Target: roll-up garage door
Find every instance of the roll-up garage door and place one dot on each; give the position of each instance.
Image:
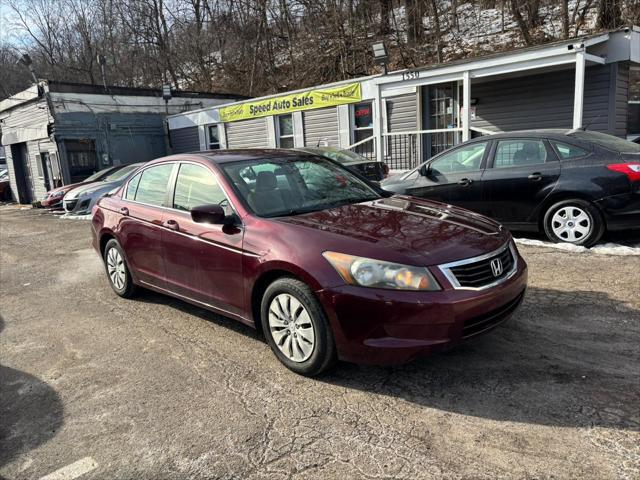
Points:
(247, 134)
(321, 125)
(184, 140)
(402, 151)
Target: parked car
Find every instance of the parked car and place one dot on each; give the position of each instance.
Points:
(81, 200)
(53, 198)
(371, 169)
(5, 186)
(571, 185)
(326, 264)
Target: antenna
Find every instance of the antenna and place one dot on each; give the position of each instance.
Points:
(584, 128)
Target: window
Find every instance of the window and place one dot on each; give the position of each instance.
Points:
(569, 151)
(152, 185)
(285, 131)
(363, 128)
(463, 159)
(214, 137)
(289, 186)
(132, 186)
(196, 186)
(516, 153)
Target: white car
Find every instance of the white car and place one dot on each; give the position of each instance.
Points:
(81, 200)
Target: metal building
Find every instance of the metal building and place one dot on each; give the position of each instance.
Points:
(405, 117)
(56, 133)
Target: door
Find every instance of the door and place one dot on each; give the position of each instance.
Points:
(454, 177)
(22, 172)
(45, 164)
(81, 158)
(203, 261)
(141, 223)
(520, 175)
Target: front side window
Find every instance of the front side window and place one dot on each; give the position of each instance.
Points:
(285, 131)
(196, 186)
(567, 151)
(517, 153)
(152, 185)
(463, 159)
(120, 173)
(214, 137)
(276, 187)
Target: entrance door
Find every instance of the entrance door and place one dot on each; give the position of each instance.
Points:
(45, 168)
(81, 158)
(22, 172)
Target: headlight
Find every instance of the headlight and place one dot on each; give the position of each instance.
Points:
(367, 272)
(58, 194)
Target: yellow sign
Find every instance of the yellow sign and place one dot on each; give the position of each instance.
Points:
(326, 97)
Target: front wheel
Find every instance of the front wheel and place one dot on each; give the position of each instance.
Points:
(117, 270)
(574, 221)
(296, 327)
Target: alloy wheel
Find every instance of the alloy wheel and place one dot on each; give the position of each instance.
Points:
(116, 268)
(291, 327)
(571, 224)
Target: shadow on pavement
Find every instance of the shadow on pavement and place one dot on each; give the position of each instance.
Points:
(31, 412)
(564, 359)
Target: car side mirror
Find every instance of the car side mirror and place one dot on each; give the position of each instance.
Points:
(208, 214)
(425, 170)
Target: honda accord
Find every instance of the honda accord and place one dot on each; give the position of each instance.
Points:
(324, 263)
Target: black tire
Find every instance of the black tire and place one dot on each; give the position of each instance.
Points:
(128, 288)
(323, 355)
(594, 222)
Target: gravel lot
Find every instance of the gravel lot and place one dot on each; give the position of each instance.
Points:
(156, 388)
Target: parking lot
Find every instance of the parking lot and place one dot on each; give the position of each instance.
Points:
(155, 388)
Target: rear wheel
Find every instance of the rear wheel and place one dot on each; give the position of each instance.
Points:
(296, 327)
(574, 221)
(117, 270)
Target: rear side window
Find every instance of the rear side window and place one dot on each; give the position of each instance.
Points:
(516, 153)
(152, 186)
(567, 151)
(196, 186)
(132, 186)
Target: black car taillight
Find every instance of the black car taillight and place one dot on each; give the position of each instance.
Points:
(630, 169)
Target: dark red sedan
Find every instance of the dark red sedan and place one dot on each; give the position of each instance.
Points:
(324, 263)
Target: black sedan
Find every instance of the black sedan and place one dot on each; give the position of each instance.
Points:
(571, 185)
(371, 169)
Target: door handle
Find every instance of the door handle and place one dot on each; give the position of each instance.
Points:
(172, 224)
(465, 182)
(124, 211)
(535, 177)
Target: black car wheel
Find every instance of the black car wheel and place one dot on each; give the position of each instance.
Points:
(117, 270)
(296, 327)
(574, 221)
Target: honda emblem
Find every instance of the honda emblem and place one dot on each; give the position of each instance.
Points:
(496, 267)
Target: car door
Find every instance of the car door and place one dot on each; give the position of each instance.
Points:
(140, 228)
(520, 175)
(454, 177)
(203, 262)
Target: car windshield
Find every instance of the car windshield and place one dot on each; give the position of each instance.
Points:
(607, 141)
(342, 156)
(120, 174)
(288, 186)
(98, 175)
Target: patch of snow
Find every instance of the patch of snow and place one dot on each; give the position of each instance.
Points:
(67, 216)
(602, 248)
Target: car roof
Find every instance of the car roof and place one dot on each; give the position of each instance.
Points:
(236, 155)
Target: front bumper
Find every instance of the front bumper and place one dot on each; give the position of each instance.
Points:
(374, 326)
(78, 206)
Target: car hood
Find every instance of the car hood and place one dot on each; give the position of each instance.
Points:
(417, 230)
(66, 188)
(90, 188)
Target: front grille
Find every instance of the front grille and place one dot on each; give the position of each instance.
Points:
(478, 325)
(69, 205)
(481, 273)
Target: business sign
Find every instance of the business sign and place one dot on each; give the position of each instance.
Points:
(295, 102)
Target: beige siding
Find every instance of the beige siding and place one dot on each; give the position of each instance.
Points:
(321, 125)
(247, 134)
